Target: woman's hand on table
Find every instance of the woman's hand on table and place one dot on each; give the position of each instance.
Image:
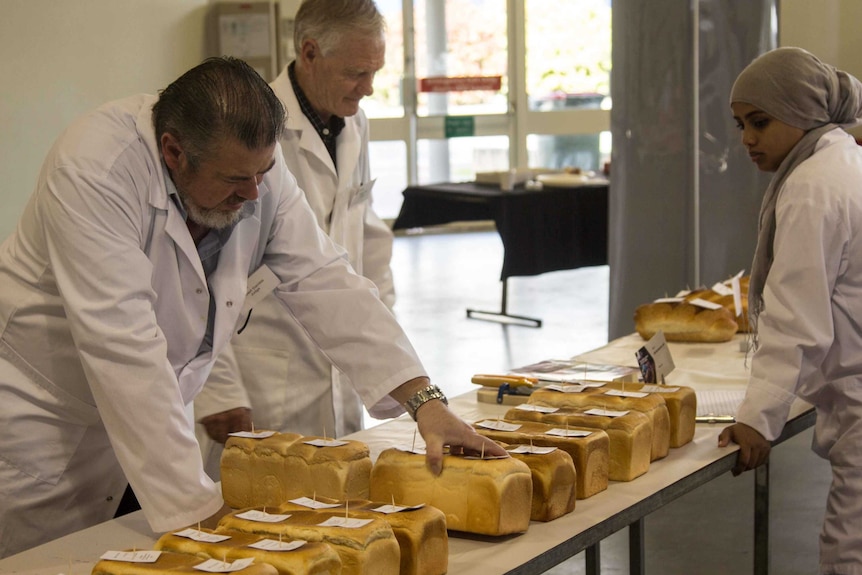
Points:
(753, 447)
(440, 427)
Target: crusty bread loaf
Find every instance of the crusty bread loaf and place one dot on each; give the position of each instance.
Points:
(681, 407)
(554, 481)
(653, 405)
(272, 470)
(171, 564)
(726, 301)
(421, 533)
(629, 436)
(368, 550)
(590, 454)
(313, 558)
(684, 322)
(484, 496)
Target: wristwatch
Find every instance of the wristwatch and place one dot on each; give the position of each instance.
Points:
(422, 397)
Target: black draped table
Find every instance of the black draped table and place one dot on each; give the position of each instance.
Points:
(555, 228)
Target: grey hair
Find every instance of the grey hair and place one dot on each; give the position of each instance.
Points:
(328, 21)
(217, 100)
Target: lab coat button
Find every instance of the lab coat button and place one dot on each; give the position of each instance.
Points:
(199, 291)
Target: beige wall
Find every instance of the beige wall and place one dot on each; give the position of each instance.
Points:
(60, 58)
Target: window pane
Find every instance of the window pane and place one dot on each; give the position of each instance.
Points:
(456, 38)
(389, 165)
(584, 151)
(458, 159)
(386, 102)
(568, 58)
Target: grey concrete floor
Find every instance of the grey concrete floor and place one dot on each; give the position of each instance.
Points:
(708, 531)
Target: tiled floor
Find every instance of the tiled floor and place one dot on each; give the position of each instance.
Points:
(707, 532)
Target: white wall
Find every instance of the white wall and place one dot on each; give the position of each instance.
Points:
(60, 58)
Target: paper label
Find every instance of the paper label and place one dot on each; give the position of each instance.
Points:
(538, 408)
(568, 388)
(669, 300)
(498, 425)
(262, 516)
(605, 412)
(312, 504)
(533, 450)
(346, 522)
(216, 566)
(196, 535)
(654, 359)
(273, 545)
(569, 432)
(325, 442)
(721, 289)
(705, 304)
(148, 556)
(252, 434)
(737, 295)
(682, 293)
(418, 449)
(659, 389)
(259, 285)
(621, 393)
(389, 509)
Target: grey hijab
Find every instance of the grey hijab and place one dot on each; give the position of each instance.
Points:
(796, 88)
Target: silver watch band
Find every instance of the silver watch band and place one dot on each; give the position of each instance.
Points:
(422, 397)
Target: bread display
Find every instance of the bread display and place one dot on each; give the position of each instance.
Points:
(681, 407)
(269, 471)
(554, 480)
(421, 533)
(629, 436)
(311, 558)
(366, 546)
(171, 564)
(682, 321)
(653, 405)
(726, 300)
(484, 496)
(590, 454)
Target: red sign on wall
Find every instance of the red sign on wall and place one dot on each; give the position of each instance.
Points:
(460, 83)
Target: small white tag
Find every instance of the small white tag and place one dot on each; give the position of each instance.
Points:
(132, 556)
(659, 389)
(721, 289)
(325, 442)
(389, 509)
(259, 285)
(273, 545)
(737, 295)
(682, 293)
(621, 393)
(346, 522)
(196, 535)
(262, 516)
(418, 449)
(669, 300)
(216, 566)
(498, 425)
(252, 434)
(605, 412)
(568, 388)
(705, 304)
(538, 408)
(312, 504)
(533, 449)
(569, 432)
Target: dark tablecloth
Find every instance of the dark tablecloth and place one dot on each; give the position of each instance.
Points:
(542, 230)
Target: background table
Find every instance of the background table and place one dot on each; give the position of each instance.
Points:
(542, 230)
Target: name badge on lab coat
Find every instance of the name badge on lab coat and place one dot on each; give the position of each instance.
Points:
(260, 284)
(362, 194)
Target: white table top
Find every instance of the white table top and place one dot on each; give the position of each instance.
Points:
(701, 366)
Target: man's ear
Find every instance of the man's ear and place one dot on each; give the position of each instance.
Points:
(172, 151)
(309, 51)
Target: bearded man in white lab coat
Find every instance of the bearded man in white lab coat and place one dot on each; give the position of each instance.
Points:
(339, 45)
(125, 278)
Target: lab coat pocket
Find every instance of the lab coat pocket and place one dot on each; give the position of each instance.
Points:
(264, 373)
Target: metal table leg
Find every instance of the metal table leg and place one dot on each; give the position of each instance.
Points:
(593, 563)
(761, 520)
(636, 548)
(502, 316)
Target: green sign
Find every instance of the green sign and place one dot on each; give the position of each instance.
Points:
(460, 126)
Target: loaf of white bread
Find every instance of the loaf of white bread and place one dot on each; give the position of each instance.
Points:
(726, 300)
(312, 558)
(421, 533)
(369, 549)
(629, 436)
(590, 454)
(681, 404)
(685, 322)
(272, 470)
(554, 480)
(171, 564)
(484, 496)
(653, 405)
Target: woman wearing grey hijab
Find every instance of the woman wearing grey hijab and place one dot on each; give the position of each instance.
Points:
(805, 295)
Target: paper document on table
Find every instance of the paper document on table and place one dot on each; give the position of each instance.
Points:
(718, 405)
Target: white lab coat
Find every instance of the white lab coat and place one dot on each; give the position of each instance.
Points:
(810, 332)
(289, 384)
(103, 310)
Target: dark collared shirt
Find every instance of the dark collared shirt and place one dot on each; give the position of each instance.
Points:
(327, 132)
